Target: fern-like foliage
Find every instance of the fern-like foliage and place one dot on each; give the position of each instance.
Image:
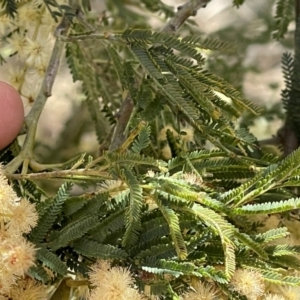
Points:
(287, 69)
(50, 214)
(10, 7)
(133, 213)
(93, 85)
(142, 141)
(51, 261)
(175, 201)
(284, 15)
(56, 10)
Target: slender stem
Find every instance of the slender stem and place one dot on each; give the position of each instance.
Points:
(185, 11)
(95, 36)
(31, 120)
(123, 117)
(82, 174)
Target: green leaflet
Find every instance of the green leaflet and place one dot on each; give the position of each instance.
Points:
(171, 267)
(224, 229)
(93, 86)
(284, 15)
(32, 191)
(130, 159)
(280, 279)
(175, 231)
(93, 249)
(280, 250)
(118, 64)
(268, 208)
(193, 157)
(74, 204)
(73, 231)
(133, 212)
(288, 73)
(249, 242)
(10, 7)
(49, 216)
(38, 272)
(271, 235)
(51, 260)
(142, 141)
(108, 225)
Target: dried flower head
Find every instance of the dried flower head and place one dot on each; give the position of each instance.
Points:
(249, 283)
(112, 283)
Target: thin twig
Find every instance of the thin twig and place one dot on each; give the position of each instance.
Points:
(81, 174)
(94, 36)
(31, 120)
(185, 11)
(189, 9)
(123, 117)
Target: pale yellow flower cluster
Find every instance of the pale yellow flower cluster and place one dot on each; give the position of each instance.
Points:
(202, 291)
(26, 43)
(249, 283)
(17, 217)
(112, 283)
(26, 289)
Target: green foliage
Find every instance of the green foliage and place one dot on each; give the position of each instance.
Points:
(174, 201)
(143, 140)
(57, 10)
(10, 7)
(238, 2)
(50, 260)
(284, 16)
(48, 216)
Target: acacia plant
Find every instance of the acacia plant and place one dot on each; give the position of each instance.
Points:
(167, 205)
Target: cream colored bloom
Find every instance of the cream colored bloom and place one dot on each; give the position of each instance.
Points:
(28, 289)
(7, 279)
(17, 255)
(6, 25)
(112, 283)
(203, 291)
(7, 197)
(36, 53)
(6, 192)
(16, 75)
(24, 217)
(30, 13)
(17, 42)
(290, 292)
(249, 283)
